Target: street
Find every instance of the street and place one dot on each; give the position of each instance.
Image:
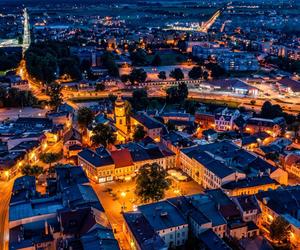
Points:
(5, 193)
(115, 195)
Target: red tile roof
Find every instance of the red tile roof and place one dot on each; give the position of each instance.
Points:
(122, 158)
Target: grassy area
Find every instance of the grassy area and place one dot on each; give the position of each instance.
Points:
(168, 59)
(230, 104)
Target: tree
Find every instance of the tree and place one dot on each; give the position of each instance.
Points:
(151, 183)
(137, 76)
(100, 87)
(195, 73)
(266, 109)
(103, 135)
(156, 61)
(182, 91)
(205, 75)
(177, 94)
(271, 111)
(216, 69)
(112, 97)
(182, 45)
(172, 94)
(171, 126)
(124, 78)
(50, 158)
(139, 133)
(109, 62)
(138, 57)
(162, 75)
(177, 74)
(85, 117)
(140, 99)
(70, 66)
(279, 229)
(54, 92)
(33, 170)
(128, 112)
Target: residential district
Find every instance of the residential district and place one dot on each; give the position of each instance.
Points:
(149, 125)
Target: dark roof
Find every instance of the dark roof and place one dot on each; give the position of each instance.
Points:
(247, 202)
(178, 140)
(78, 221)
(24, 188)
(143, 232)
(79, 195)
(26, 146)
(99, 238)
(209, 132)
(219, 169)
(284, 200)
(69, 175)
(249, 182)
(71, 135)
(33, 122)
(292, 84)
(98, 159)
(162, 215)
(147, 121)
(211, 241)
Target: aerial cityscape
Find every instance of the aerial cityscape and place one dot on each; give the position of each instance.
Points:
(149, 124)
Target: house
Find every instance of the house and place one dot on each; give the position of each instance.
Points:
(140, 233)
(69, 216)
(249, 185)
(209, 240)
(123, 162)
(72, 143)
(248, 207)
(273, 127)
(167, 222)
(288, 85)
(210, 135)
(224, 120)
(292, 164)
(61, 117)
(282, 202)
(10, 163)
(153, 127)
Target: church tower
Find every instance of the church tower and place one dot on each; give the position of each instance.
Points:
(120, 115)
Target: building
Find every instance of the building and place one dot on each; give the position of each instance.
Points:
(217, 163)
(282, 202)
(153, 127)
(71, 215)
(72, 143)
(167, 222)
(290, 86)
(234, 86)
(292, 164)
(102, 165)
(249, 185)
(140, 234)
(224, 120)
(273, 127)
(238, 61)
(120, 118)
